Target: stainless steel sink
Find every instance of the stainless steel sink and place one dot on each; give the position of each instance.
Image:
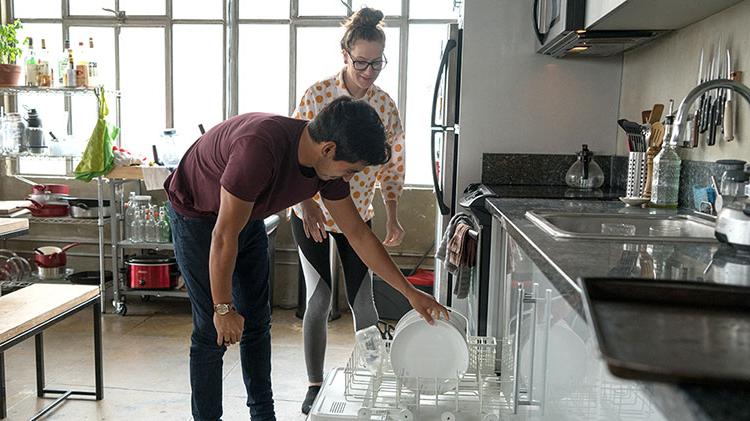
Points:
(637, 227)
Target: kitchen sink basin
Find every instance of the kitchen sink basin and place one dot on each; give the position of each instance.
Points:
(637, 227)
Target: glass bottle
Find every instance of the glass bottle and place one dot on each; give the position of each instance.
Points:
(44, 73)
(93, 64)
(137, 227)
(151, 233)
(665, 186)
(62, 65)
(585, 173)
(130, 208)
(30, 64)
(165, 232)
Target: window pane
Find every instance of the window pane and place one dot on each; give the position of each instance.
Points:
(91, 7)
(49, 107)
(432, 9)
(141, 7)
(84, 108)
(104, 51)
(425, 47)
(388, 78)
(318, 56)
(205, 9)
(36, 8)
(263, 9)
(264, 69)
(198, 92)
(321, 8)
(142, 85)
(388, 7)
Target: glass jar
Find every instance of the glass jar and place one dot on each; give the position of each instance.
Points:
(13, 131)
(169, 151)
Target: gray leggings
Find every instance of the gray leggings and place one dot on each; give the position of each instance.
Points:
(315, 259)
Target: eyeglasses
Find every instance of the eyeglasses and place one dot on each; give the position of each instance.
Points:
(361, 65)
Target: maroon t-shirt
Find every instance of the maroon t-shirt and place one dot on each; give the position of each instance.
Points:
(254, 157)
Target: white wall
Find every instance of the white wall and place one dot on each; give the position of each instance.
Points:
(668, 68)
(516, 101)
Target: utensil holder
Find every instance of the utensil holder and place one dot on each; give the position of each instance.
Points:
(650, 155)
(636, 174)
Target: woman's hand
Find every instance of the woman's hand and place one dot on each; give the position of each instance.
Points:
(228, 328)
(426, 305)
(313, 221)
(394, 233)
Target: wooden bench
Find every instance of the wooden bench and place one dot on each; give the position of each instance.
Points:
(28, 312)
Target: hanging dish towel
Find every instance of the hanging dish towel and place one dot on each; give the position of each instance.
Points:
(458, 252)
(98, 158)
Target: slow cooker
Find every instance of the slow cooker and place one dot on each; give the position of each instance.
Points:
(152, 271)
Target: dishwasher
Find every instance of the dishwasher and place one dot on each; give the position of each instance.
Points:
(356, 393)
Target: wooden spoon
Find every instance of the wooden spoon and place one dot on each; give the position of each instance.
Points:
(656, 113)
(657, 135)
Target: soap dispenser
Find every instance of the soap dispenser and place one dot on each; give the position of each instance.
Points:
(585, 173)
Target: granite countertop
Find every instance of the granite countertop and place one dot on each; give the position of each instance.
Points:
(563, 261)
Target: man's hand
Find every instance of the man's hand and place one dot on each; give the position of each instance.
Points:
(394, 233)
(426, 305)
(313, 221)
(228, 328)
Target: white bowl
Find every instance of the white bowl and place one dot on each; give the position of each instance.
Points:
(422, 353)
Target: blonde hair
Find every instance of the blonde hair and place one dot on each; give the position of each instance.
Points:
(366, 24)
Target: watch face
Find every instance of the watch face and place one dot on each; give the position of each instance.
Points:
(222, 308)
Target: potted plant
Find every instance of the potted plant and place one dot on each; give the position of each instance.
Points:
(10, 72)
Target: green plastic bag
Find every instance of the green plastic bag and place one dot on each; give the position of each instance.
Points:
(98, 158)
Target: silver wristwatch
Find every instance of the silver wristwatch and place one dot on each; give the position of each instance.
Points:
(222, 309)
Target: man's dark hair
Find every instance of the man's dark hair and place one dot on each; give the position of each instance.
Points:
(355, 128)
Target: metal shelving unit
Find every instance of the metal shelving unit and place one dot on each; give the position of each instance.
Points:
(119, 246)
(13, 163)
(65, 220)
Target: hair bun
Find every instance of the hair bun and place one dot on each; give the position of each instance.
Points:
(366, 16)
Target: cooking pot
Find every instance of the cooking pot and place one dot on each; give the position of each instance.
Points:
(51, 256)
(51, 209)
(86, 208)
(44, 273)
(152, 271)
(51, 188)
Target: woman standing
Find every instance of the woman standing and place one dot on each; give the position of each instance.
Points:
(362, 49)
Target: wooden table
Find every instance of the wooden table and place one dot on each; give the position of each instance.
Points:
(28, 312)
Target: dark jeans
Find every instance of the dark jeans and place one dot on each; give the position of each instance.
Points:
(192, 240)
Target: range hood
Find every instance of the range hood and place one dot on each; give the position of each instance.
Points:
(567, 28)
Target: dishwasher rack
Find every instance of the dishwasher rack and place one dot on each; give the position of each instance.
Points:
(384, 395)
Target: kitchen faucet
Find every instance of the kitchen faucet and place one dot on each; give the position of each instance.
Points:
(682, 111)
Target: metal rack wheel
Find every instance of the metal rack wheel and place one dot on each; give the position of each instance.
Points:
(121, 308)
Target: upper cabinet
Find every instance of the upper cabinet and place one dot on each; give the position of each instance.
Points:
(658, 15)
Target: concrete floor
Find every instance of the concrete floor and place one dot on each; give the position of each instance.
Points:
(146, 366)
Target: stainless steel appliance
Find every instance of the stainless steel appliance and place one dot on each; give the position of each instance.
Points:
(733, 225)
(560, 28)
(444, 147)
(484, 305)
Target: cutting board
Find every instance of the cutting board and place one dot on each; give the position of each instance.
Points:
(9, 225)
(10, 206)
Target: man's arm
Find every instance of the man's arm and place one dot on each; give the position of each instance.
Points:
(373, 254)
(233, 216)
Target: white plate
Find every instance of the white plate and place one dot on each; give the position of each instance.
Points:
(634, 201)
(422, 351)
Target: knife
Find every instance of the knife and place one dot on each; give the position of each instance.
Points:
(697, 120)
(728, 122)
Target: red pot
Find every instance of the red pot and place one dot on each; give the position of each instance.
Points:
(51, 256)
(51, 188)
(152, 271)
(48, 210)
